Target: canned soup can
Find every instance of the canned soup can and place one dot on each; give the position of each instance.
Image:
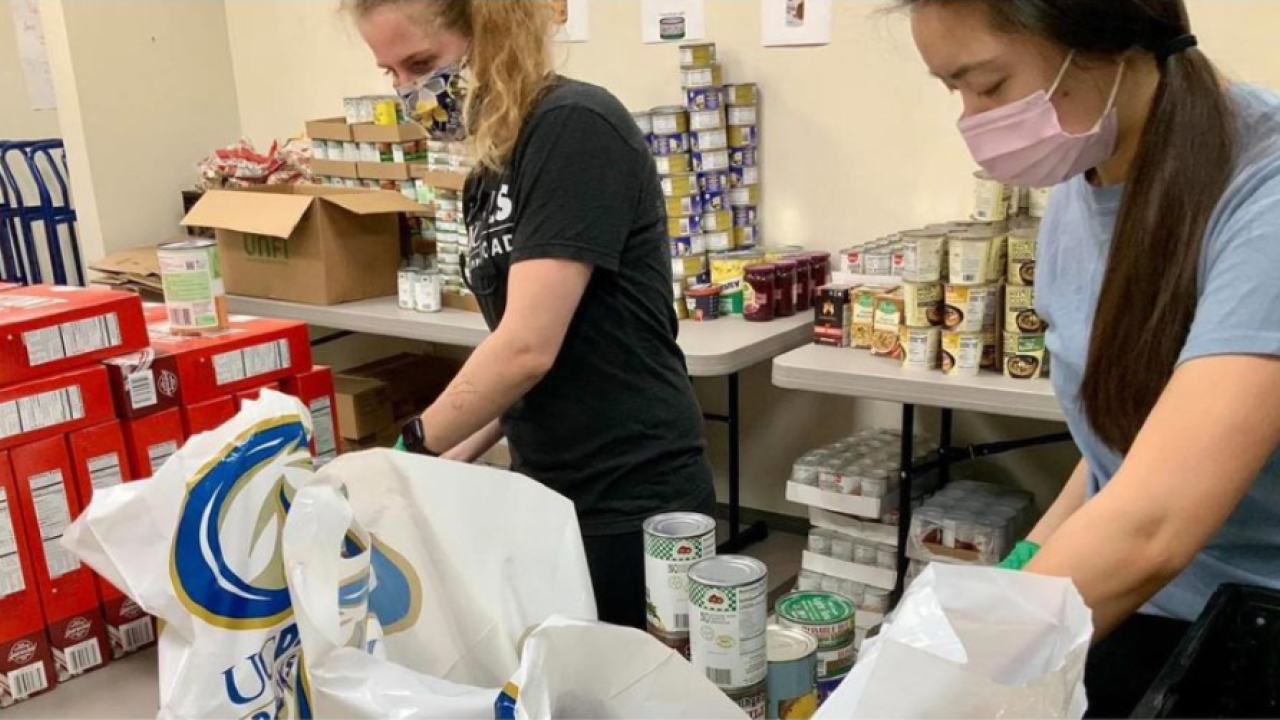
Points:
(793, 678)
(682, 185)
(706, 120)
(745, 94)
(697, 55)
(669, 120)
(673, 543)
(728, 599)
(674, 164)
(706, 140)
(704, 98)
(195, 298)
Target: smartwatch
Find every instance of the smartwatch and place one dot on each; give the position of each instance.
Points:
(415, 438)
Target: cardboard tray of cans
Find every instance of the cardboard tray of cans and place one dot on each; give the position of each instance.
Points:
(856, 505)
(865, 574)
(876, 532)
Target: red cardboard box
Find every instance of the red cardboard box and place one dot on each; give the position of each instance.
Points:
(26, 660)
(45, 483)
(45, 330)
(152, 440)
(100, 459)
(315, 389)
(52, 406)
(209, 415)
(143, 383)
(251, 353)
(254, 394)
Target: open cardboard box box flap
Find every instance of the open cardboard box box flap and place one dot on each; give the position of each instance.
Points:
(277, 210)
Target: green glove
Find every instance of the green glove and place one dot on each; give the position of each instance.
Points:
(399, 444)
(1021, 555)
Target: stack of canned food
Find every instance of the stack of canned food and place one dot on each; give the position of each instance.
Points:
(376, 109)
(420, 286)
(864, 465)
(451, 239)
(444, 156)
(956, 286)
(971, 523)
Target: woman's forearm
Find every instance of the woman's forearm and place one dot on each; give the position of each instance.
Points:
(1068, 502)
(469, 450)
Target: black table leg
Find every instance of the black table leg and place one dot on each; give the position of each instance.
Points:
(739, 538)
(905, 474)
(944, 445)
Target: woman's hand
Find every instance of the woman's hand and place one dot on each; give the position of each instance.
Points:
(1199, 452)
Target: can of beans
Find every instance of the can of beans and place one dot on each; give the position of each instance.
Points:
(728, 598)
(746, 236)
(792, 675)
(746, 195)
(673, 543)
(687, 245)
(644, 121)
(719, 241)
(752, 701)
(744, 215)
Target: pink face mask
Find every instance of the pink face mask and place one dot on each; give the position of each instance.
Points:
(1023, 143)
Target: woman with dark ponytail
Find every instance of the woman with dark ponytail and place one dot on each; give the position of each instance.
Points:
(1159, 276)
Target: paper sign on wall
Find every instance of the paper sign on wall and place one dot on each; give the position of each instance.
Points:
(795, 22)
(573, 21)
(33, 55)
(672, 21)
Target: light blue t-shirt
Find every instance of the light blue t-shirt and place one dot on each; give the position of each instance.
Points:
(1238, 314)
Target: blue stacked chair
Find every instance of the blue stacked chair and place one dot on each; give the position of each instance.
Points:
(37, 229)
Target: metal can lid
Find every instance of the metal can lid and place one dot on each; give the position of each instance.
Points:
(815, 608)
(679, 525)
(728, 570)
(789, 644)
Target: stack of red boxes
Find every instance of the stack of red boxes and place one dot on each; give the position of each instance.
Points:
(95, 391)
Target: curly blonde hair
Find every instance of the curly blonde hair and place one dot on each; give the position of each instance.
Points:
(509, 62)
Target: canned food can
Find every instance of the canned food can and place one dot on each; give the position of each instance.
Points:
(715, 201)
(680, 185)
(707, 120)
(746, 195)
(195, 298)
(719, 241)
(688, 266)
(677, 164)
(644, 121)
(744, 94)
(707, 140)
(969, 257)
(351, 151)
(697, 55)
(792, 675)
(686, 245)
(427, 292)
(743, 136)
(387, 112)
(998, 257)
(670, 120)
(827, 687)
(720, 221)
(923, 252)
(701, 77)
(743, 158)
(836, 661)
(990, 198)
(878, 260)
(703, 303)
(404, 288)
(876, 600)
(702, 278)
(684, 206)
(961, 353)
(677, 144)
(742, 115)
(1039, 201)
(744, 177)
(704, 98)
(1025, 357)
(350, 111)
(746, 236)
(825, 616)
(711, 161)
(1020, 310)
(728, 598)
(968, 306)
(684, 225)
(745, 215)
(752, 701)
(922, 304)
(673, 543)
(1022, 256)
(758, 292)
(713, 181)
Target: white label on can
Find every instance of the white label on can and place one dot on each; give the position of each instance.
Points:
(160, 453)
(53, 515)
(686, 56)
(742, 115)
(323, 431)
(666, 569)
(990, 200)
(666, 124)
(11, 580)
(748, 176)
(719, 241)
(72, 339)
(250, 362)
(922, 349)
(727, 633)
(1039, 201)
(711, 140)
(404, 290)
(922, 260)
(714, 160)
(968, 262)
(701, 77)
(105, 471)
(706, 120)
(427, 293)
(39, 411)
(742, 196)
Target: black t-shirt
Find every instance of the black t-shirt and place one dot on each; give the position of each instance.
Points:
(614, 426)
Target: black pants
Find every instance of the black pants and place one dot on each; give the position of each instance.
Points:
(617, 572)
(1122, 668)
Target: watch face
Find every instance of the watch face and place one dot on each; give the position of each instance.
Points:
(413, 436)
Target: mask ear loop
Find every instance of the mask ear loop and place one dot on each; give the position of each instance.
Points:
(1062, 74)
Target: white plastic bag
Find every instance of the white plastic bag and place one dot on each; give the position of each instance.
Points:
(492, 554)
(574, 669)
(198, 546)
(972, 642)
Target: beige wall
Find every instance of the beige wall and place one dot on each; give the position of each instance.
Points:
(18, 121)
(857, 142)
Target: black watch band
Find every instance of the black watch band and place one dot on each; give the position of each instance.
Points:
(415, 438)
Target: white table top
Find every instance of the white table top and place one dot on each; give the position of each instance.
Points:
(713, 349)
(856, 373)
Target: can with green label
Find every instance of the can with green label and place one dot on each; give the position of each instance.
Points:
(829, 619)
(194, 296)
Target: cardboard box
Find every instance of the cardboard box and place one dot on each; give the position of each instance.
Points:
(363, 405)
(52, 406)
(413, 381)
(319, 245)
(152, 440)
(46, 481)
(26, 660)
(334, 168)
(45, 330)
(208, 415)
(250, 353)
(329, 129)
(404, 132)
(316, 390)
(438, 178)
(143, 383)
(386, 171)
(100, 459)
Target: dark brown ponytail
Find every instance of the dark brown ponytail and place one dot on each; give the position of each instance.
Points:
(1182, 168)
